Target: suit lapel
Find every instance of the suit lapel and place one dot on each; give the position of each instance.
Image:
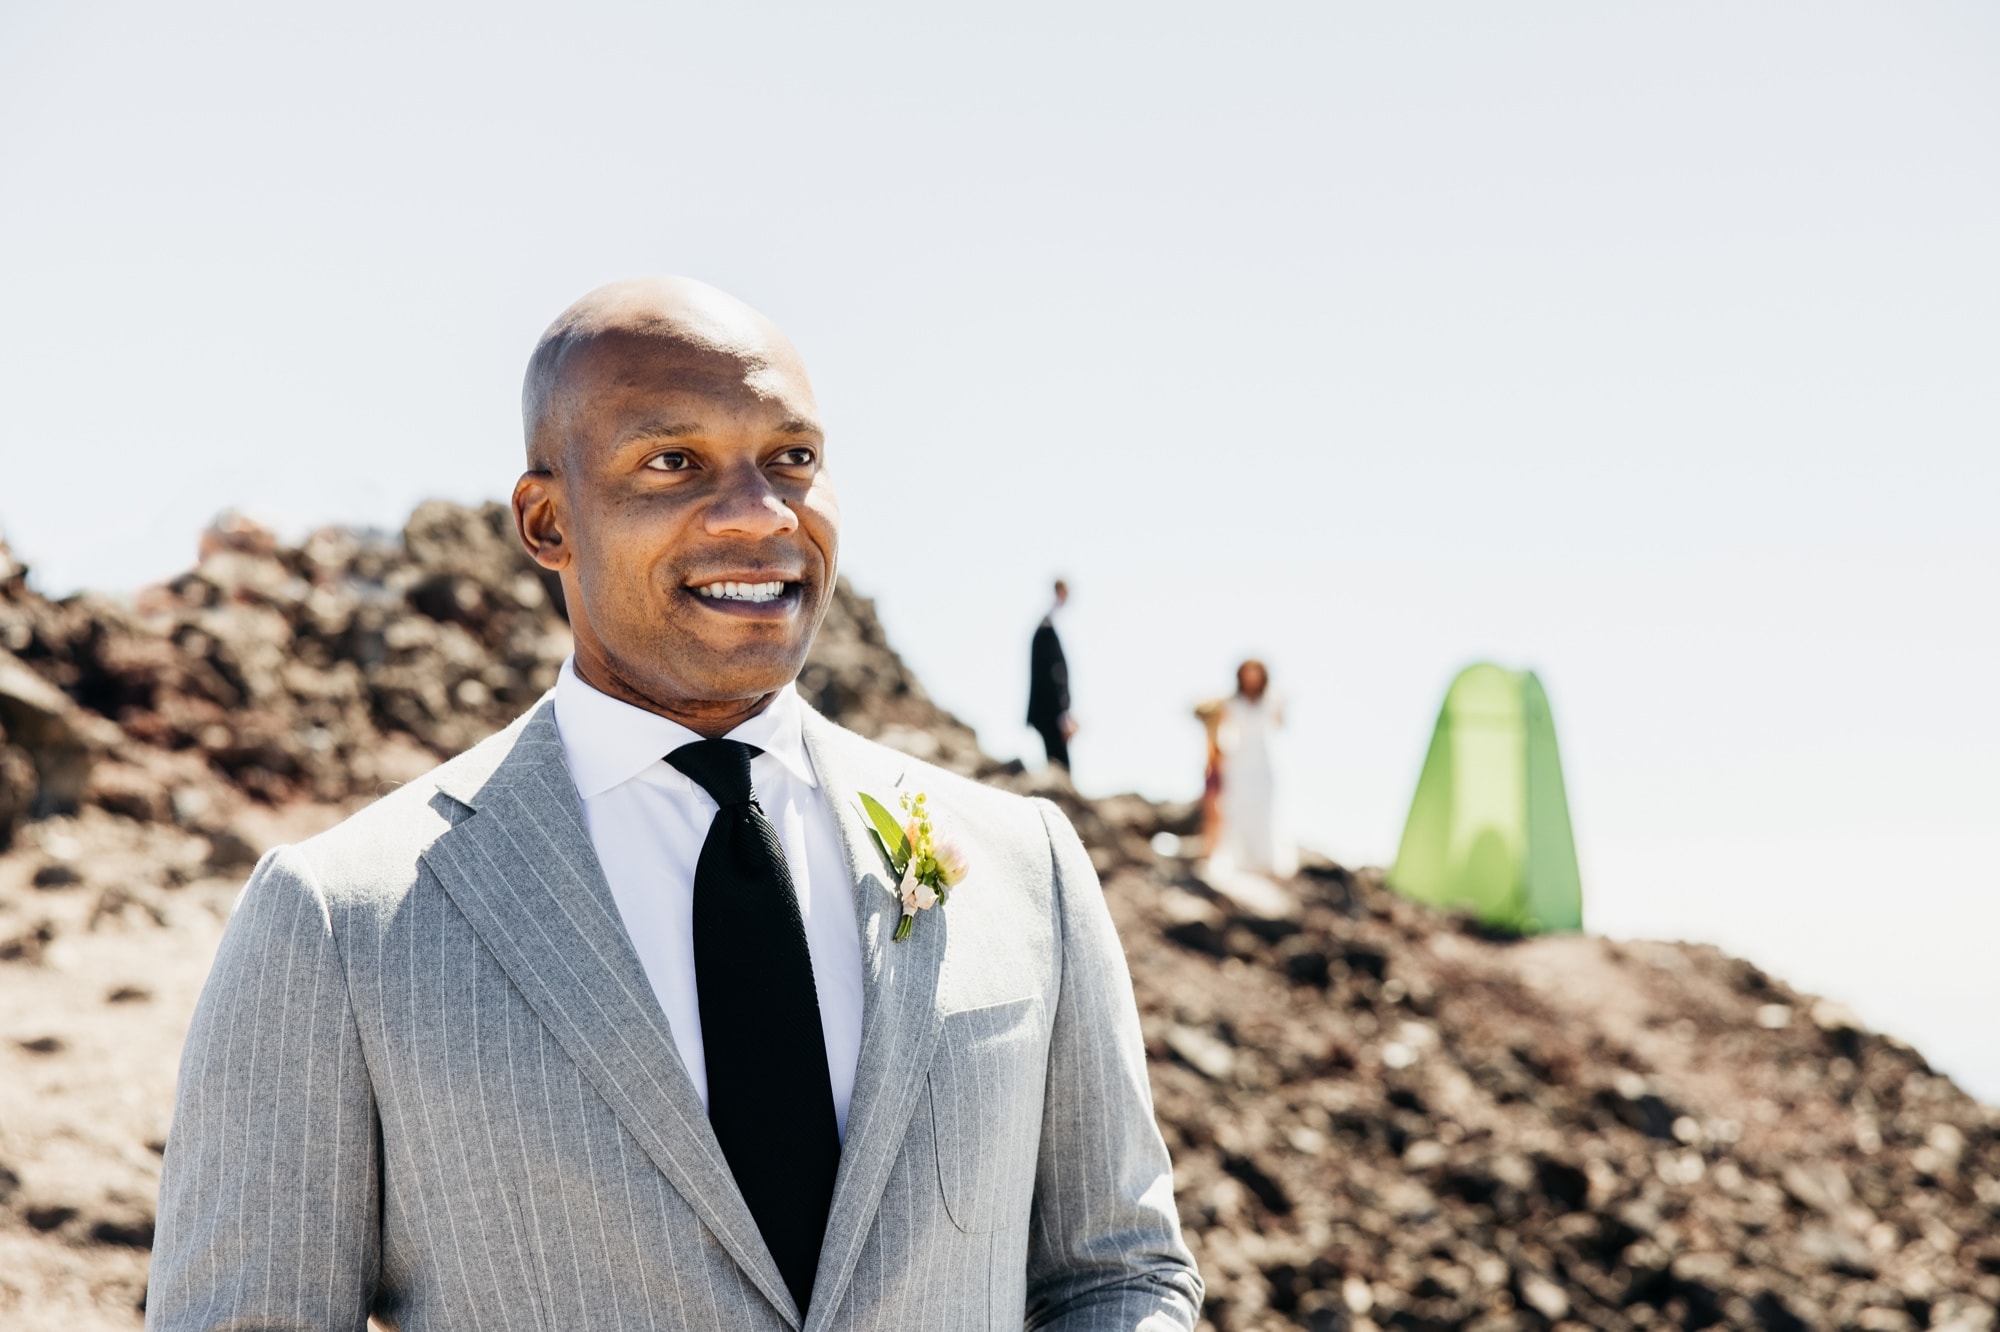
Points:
(899, 1023)
(522, 871)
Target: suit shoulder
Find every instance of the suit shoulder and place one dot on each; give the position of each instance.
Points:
(374, 852)
(378, 846)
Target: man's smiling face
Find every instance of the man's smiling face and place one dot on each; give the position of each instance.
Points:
(678, 484)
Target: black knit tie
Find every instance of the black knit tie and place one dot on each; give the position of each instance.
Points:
(769, 1097)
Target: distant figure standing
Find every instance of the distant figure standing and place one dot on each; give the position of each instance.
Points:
(1252, 836)
(1210, 715)
(1048, 685)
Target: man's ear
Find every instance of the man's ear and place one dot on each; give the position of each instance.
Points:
(538, 519)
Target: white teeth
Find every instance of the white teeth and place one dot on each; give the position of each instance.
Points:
(742, 591)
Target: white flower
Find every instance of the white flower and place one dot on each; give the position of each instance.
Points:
(916, 894)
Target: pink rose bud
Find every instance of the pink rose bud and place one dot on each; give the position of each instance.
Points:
(952, 863)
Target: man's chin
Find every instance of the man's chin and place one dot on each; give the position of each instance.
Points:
(743, 673)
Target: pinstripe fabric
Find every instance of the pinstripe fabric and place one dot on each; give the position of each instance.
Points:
(428, 1077)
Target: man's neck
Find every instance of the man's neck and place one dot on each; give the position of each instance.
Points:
(709, 718)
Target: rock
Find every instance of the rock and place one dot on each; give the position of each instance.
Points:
(294, 672)
(229, 851)
(58, 738)
(1379, 1117)
(1544, 1296)
(1774, 1315)
(131, 1232)
(1461, 1101)
(1260, 1182)
(19, 785)
(29, 944)
(56, 875)
(1820, 1186)
(1204, 1053)
(1253, 894)
(49, 1216)
(130, 791)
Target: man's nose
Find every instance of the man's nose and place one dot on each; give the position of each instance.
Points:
(747, 506)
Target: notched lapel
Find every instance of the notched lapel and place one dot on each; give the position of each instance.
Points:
(522, 870)
(900, 1021)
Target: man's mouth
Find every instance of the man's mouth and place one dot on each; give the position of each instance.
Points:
(755, 594)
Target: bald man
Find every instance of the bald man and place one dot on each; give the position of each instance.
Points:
(625, 1018)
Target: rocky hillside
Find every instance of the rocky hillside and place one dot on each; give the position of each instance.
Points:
(1380, 1117)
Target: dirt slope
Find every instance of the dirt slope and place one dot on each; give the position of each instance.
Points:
(1379, 1118)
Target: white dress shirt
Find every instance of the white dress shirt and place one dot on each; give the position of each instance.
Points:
(647, 822)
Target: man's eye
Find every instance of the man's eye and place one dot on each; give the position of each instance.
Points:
(798, 457)
(671, 461)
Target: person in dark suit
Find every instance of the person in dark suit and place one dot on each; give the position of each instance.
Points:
(1048, 685)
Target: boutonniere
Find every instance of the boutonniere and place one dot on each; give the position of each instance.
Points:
(927, 868)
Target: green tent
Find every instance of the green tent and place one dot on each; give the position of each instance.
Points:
(1489, 826)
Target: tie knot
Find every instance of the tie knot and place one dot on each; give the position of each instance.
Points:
(719, 767)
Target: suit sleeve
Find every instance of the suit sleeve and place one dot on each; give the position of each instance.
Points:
(269, 1193)
(1104, 1249)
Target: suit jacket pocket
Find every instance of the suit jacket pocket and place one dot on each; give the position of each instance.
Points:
(986, 1084)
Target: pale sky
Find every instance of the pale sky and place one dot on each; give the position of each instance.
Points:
(1651, 346)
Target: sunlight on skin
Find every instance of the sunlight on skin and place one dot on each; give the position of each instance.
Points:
(677, 483)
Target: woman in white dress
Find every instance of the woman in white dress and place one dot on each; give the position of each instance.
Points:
(1253, 837)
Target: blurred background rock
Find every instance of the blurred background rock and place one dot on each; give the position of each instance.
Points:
(1381, 1116)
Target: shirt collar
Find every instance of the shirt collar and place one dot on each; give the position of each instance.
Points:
(608, 741)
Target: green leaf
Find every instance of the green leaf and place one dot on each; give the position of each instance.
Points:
(888, 831)
(887, 854)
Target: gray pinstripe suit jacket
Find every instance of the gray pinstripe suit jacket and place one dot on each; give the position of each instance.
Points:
(428, 1079)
